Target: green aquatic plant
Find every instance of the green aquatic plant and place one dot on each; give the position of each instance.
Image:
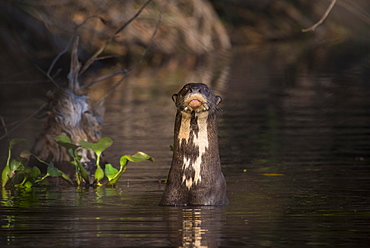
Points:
(98, 147)
(18, 174)
(11, 165)
(112, 174)
(81, 173)
(30, 176)
(52, 172)
(137, 157)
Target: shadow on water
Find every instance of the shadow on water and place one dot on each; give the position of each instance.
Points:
(294, 145)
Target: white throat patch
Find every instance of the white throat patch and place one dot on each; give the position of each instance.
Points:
(200, 141)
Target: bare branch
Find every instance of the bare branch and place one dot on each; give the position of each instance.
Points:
(48, 75)
(74, 68)
(22, 122)
(312, 28)
(55, 60)
(97, 53)
(58, 57)
(127, 72)
(5, 128)
(103, 78)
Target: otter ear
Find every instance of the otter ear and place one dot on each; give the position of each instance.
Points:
(218, 100)
(174, 97)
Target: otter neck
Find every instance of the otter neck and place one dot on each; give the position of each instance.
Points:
(195, 145)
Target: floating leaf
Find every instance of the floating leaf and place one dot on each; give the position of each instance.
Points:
(110, 171)
(14, 164)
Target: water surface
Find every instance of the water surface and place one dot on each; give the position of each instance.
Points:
(294, 145)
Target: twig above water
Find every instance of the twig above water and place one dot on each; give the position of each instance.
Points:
(127, 72)
(94, 57)
(313, 27)
(7, 132)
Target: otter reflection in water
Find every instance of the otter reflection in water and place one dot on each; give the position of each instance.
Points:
(195, 177)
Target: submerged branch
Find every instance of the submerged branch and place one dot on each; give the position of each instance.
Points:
(313, 27)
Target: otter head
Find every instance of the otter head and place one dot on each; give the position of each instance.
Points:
(196, 97)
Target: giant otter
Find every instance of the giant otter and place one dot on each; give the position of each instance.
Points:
(195, 177)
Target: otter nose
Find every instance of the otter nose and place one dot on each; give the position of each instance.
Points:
(195, 89)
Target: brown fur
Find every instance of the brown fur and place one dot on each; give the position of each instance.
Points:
(195, 177)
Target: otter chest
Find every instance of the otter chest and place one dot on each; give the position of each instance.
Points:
(193, 144)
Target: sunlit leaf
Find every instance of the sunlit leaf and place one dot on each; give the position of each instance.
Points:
(14, 164)
(28, 184)
(63, 138)
(99, 174)
(78, 178)
(138, 157)
(5, 175)
(66, 142)
(110, 171)
(99, 146)
(7, 171)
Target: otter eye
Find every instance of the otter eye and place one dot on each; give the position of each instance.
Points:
(206, 90)
(186, 88)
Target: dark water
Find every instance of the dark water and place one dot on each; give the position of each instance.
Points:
(294, 145)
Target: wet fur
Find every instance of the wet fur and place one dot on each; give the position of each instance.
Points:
(194, 178)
